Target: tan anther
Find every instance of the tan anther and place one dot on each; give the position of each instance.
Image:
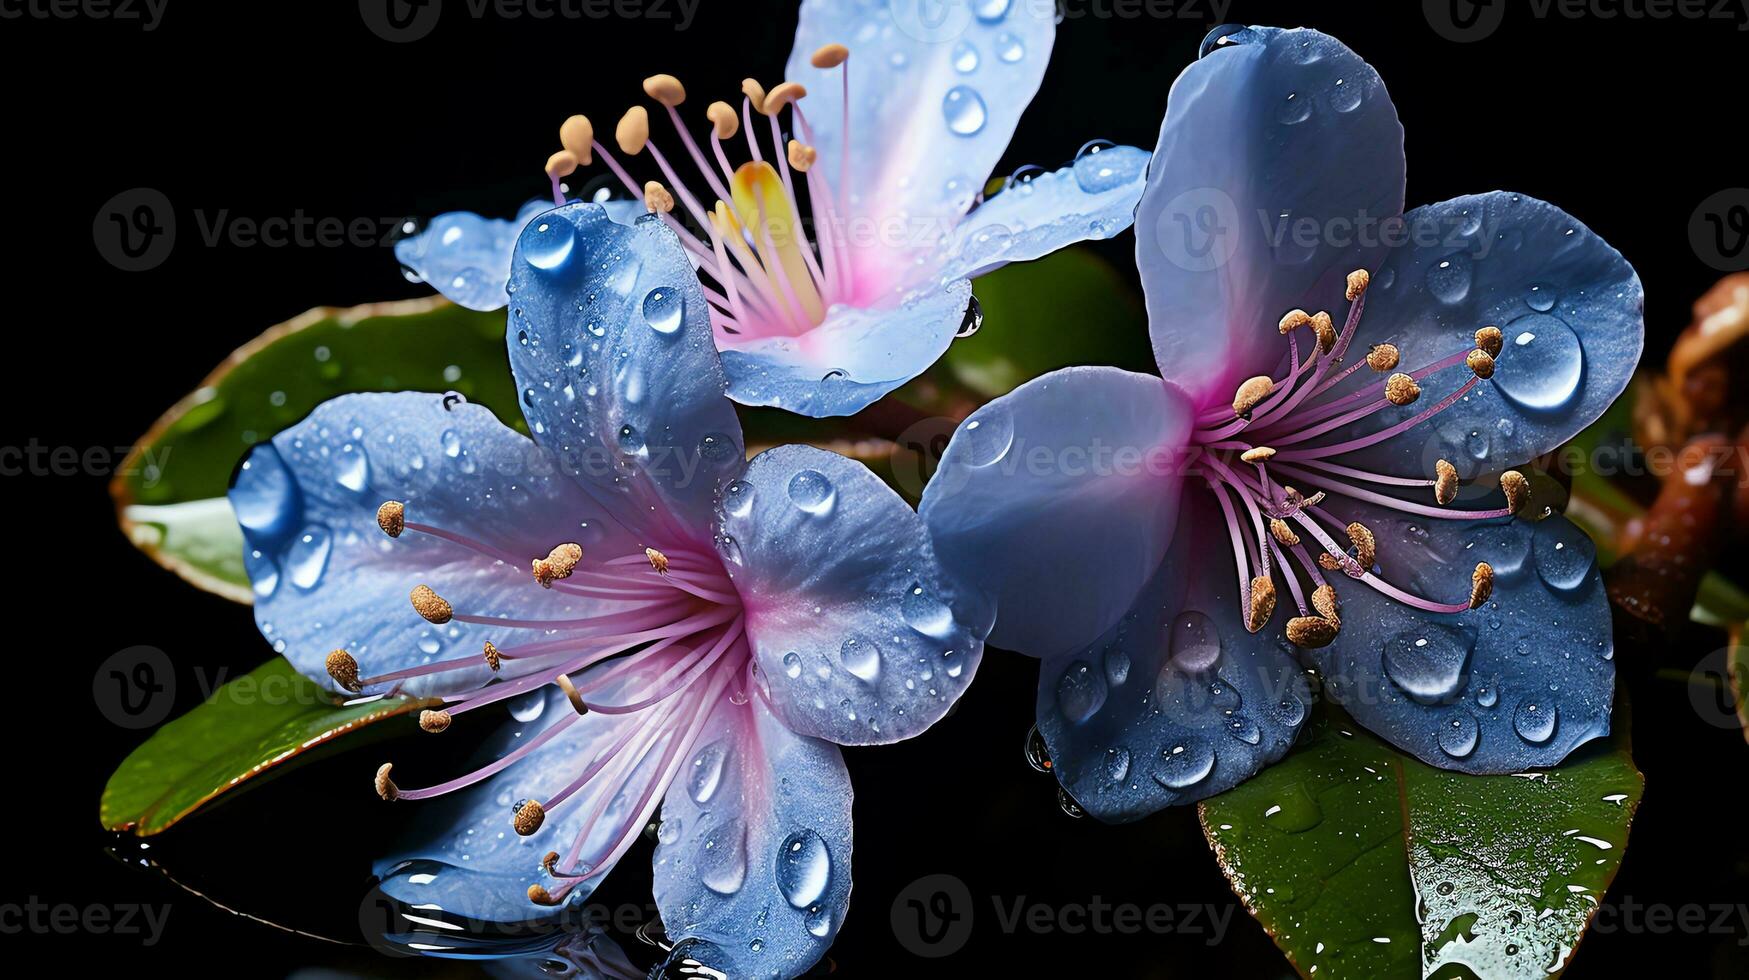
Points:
(633, 131)
(431, 606)
(550, 862)
(538, 894)
(1250, 393)
(1366, 549)
(528, 817)
(561, 164)
(571, 693)
(494, 659)
(1283, 532)
(1294, 320)
(1358, 280)
(1481, 584)
(1324, 601)
(801, 156)
(1262, 603)
(577, 134)
(754, 92)
(665, 89)
(1383, 357)
(782, 95)
(658, 560)
(344, 669)
(434, 721)
(1329, 562)
(558, 564)
(1480, 362)
(1517, 490)
(1400, 389)
(1311, 631)
(385, 786)
(725, 121)
(657, 200)
(392, 518)
(829, 56)
(1257, 455)
(1445, 482)
(1325, 328)
(1491, 340)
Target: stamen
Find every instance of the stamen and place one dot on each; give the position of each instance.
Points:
(1261, 605)
(1358, 280)
(781, 96)
(657, 200)
(724, 122)
(1490, 339)
(1324, 601)
(538, 894)
(1365, 545)
(430, 606)
(658, 561)
(494, 659)
(1311, 632)
(385, 786)
(561, 164)
(434, 721)
(1326, 331)
(829, 56)
(526, 817)
(392, 518)
(1257, 455)
(558, 564)
(577, 135)
(633, 132)
(1294, 320)
(1281, 531)
(344, 669)
(665, 89)
(802, 156)
(1250, 394)
(1401, 389)
(755, 94)
(1383, 357)
(1517, 490)
(550, 862)
(1481, 584)
(1445, 482)
(571, 693)
(1329, 562)
(1481, 362)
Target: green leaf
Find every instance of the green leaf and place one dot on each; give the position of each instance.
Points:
(1070, 307)
(170, 492)
(260, 720)
(1333, 848)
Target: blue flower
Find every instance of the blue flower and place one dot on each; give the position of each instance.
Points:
(823, 302)
(670, 624)
(1138, 534)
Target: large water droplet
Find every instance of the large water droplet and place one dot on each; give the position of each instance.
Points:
(1449, 278)
(803, 868)
(1185, 763)
(963, 108)
(1080, 691)
(663, 308)
(987, 436)
(707, 772)
(722, 861)
(1117, 764)
(1347, 94)
(1541, 363)
(528, 707)
(1563, 553)
(1535, 721)
(548, 245)
(862, 657)
(266, 499)
(738, 499)
(1459, 734)
(354, 468)
(1428, 663)
(925, 613)
(1195, 644)
(1222, 36)
(1541, 298)
(812, 492)
(1101, 167)
(307, 558)
(965, 58)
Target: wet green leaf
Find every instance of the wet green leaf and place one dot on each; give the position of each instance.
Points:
(248, 726)
(1334, 848)
(170, 494)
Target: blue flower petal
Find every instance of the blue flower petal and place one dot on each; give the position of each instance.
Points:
(752, 864)
(1279, 158)
(466, 257)
(326, 577)
(1059, 501)
(1095, 197)
(1517, 683)
(465, 860)
(1177, 702)
(860, 636)
(852, 359)
(935, 93)
(1571, 310)
(610, 342)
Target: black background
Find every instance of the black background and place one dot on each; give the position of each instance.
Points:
(270, 108)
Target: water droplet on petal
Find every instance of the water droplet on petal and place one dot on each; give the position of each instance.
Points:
(1449, 278)
(1185, 764)
(1429, 664)
(1459, 734)
(803, 868)
(663, 309)
(1541, 363)
(1195, 643)
(307, 558)
(925, 613)
(1564, 554)
(987, 436)
(1535, 721)
(964, 110)
(722, 865)
(707, 772)
(548, 245)
(1080, 691)
(861, 657)
(812, 492)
